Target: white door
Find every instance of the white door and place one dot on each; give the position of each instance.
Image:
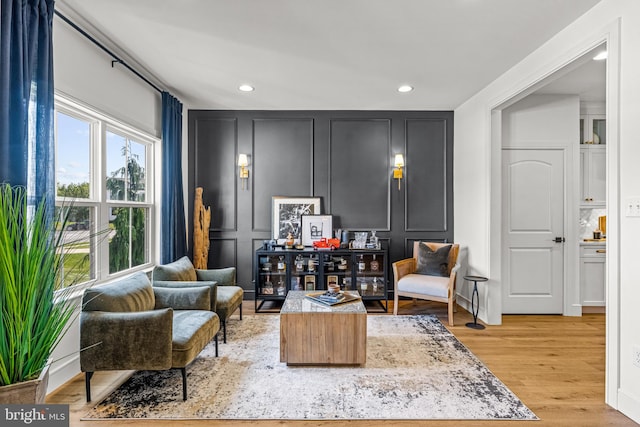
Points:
(533, 217)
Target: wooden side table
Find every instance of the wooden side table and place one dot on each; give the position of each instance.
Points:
(475, 301)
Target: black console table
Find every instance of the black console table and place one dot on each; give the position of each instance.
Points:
(278, 271)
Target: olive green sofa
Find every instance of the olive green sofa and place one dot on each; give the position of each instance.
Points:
(227, 296)
(130, 325)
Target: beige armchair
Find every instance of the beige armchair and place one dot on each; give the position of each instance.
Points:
(406, 283)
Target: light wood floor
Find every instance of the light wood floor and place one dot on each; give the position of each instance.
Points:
(554, 364)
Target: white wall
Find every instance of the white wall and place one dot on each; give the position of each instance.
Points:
(475, 168)
(83, 72)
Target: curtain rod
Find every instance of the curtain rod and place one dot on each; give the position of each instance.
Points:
(115, 57)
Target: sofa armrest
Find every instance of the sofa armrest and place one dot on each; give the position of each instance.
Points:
(213, 286)
(194, 298)
(402, 268)
(135, 340)
(224, 276)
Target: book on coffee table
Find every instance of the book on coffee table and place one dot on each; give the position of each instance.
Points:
(332, 299)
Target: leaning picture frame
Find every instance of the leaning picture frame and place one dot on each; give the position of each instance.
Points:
(315, 227)
(287, 213)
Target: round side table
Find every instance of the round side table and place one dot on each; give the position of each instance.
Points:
(475, 301)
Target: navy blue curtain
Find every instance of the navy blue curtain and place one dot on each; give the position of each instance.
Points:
(173, 233)
(26, 97)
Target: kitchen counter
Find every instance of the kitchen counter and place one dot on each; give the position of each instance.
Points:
(593, 242)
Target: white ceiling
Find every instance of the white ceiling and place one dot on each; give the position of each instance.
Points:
(323, 54)
(585, 77)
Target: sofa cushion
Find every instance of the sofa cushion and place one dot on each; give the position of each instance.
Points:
(229, 299)
(181, 270)
(433, 263)
(192, 330)
(436, 286)
(133, 293)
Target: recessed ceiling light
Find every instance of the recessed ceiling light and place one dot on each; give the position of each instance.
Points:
(405, 88)
(246, 88)
(600, 56)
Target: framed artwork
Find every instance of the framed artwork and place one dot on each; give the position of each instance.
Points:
(315, 227)
(287, 214)
(309, 283)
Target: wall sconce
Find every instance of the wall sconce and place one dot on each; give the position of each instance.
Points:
(397, 171)
(243, 162)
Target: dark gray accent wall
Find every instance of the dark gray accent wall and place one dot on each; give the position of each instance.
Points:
(343, 157)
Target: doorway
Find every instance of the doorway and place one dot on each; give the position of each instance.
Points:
(551, 117)
(563, 65)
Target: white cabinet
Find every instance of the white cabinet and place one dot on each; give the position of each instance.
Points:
(593, 129)
(593, 176)
(592, 275)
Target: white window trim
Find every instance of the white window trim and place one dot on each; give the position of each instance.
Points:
(100, 123)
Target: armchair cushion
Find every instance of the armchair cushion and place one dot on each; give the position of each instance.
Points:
(433, 263)
(213, 288)
(229, 299)
(181, 270)
(192, 330)
(435, 286)
(196, 298)
(229, 295)
(133, 294)
(224, 276)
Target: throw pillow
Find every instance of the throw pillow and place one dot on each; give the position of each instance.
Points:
(433, 263)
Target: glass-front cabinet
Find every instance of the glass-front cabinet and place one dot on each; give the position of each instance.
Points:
(278, 271)
(272, 276)
(593, 129)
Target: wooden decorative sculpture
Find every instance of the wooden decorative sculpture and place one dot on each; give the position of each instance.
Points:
(201, 221)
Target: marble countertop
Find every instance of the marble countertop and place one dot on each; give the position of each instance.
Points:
(296, 302)
(590, 243)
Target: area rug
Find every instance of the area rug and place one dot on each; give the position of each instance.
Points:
(416, 369)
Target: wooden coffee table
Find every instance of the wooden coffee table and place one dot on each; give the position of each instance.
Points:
(314, 334)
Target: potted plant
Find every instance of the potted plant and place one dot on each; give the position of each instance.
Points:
(34, 311)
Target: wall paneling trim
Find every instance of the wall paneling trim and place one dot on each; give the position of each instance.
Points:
(343, 157)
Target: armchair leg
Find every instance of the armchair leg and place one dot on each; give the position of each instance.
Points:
(395, 304)
(87, 384)
(216, 340)
(224, 331)
(184, 383)
(240, 311)
(451, 305)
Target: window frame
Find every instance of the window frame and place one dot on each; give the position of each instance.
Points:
(101, 123)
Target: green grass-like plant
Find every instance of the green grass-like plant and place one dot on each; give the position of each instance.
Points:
(33, 316)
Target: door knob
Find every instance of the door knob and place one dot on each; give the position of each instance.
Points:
(558, 240)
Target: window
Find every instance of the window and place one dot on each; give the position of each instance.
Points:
(103, 171)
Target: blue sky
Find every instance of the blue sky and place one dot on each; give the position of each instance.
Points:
(73, 150)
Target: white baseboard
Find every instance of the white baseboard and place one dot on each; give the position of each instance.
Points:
(63, 371)
(629, 405)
